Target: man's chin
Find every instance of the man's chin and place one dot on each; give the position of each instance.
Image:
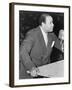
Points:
(50, 31)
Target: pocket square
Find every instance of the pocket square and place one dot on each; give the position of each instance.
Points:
(52, 44)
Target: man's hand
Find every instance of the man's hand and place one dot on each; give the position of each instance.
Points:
(33, 72)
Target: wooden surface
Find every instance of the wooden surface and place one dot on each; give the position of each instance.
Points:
(55, 69)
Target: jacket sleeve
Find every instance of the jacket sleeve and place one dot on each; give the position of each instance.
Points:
(25, 51)
(57, 43)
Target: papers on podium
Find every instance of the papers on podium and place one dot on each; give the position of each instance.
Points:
(55, 69)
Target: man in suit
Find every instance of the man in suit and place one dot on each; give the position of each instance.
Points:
(36, 48)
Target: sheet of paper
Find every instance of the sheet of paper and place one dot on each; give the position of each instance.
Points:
(55, 69)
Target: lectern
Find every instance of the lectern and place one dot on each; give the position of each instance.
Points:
(55, 69)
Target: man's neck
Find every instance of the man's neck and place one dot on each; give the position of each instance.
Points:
(42, 29)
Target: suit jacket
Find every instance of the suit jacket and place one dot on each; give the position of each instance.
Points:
(33, 51)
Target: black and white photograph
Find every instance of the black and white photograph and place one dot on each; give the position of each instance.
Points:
(39, 44)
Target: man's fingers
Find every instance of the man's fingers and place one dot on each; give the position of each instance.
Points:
(34, 72)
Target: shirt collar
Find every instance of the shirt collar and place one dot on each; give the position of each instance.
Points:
(44, 33)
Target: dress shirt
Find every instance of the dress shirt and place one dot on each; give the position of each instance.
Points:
(45, 36)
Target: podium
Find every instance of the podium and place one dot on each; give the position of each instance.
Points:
(55, 69)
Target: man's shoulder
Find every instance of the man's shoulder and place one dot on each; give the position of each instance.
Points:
(33, 31)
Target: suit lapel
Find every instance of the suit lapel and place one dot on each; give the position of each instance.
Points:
(45, 49)
(49, 40)
(49, 43)
(41, 40)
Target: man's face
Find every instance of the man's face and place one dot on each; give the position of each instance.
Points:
(48, 25)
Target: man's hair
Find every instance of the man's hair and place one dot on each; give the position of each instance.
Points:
(43, 18)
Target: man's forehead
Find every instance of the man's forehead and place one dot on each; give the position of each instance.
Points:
(49, 18)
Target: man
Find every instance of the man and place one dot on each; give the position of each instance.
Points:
(36, 48)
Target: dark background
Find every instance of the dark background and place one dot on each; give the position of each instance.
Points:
(30, 19)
